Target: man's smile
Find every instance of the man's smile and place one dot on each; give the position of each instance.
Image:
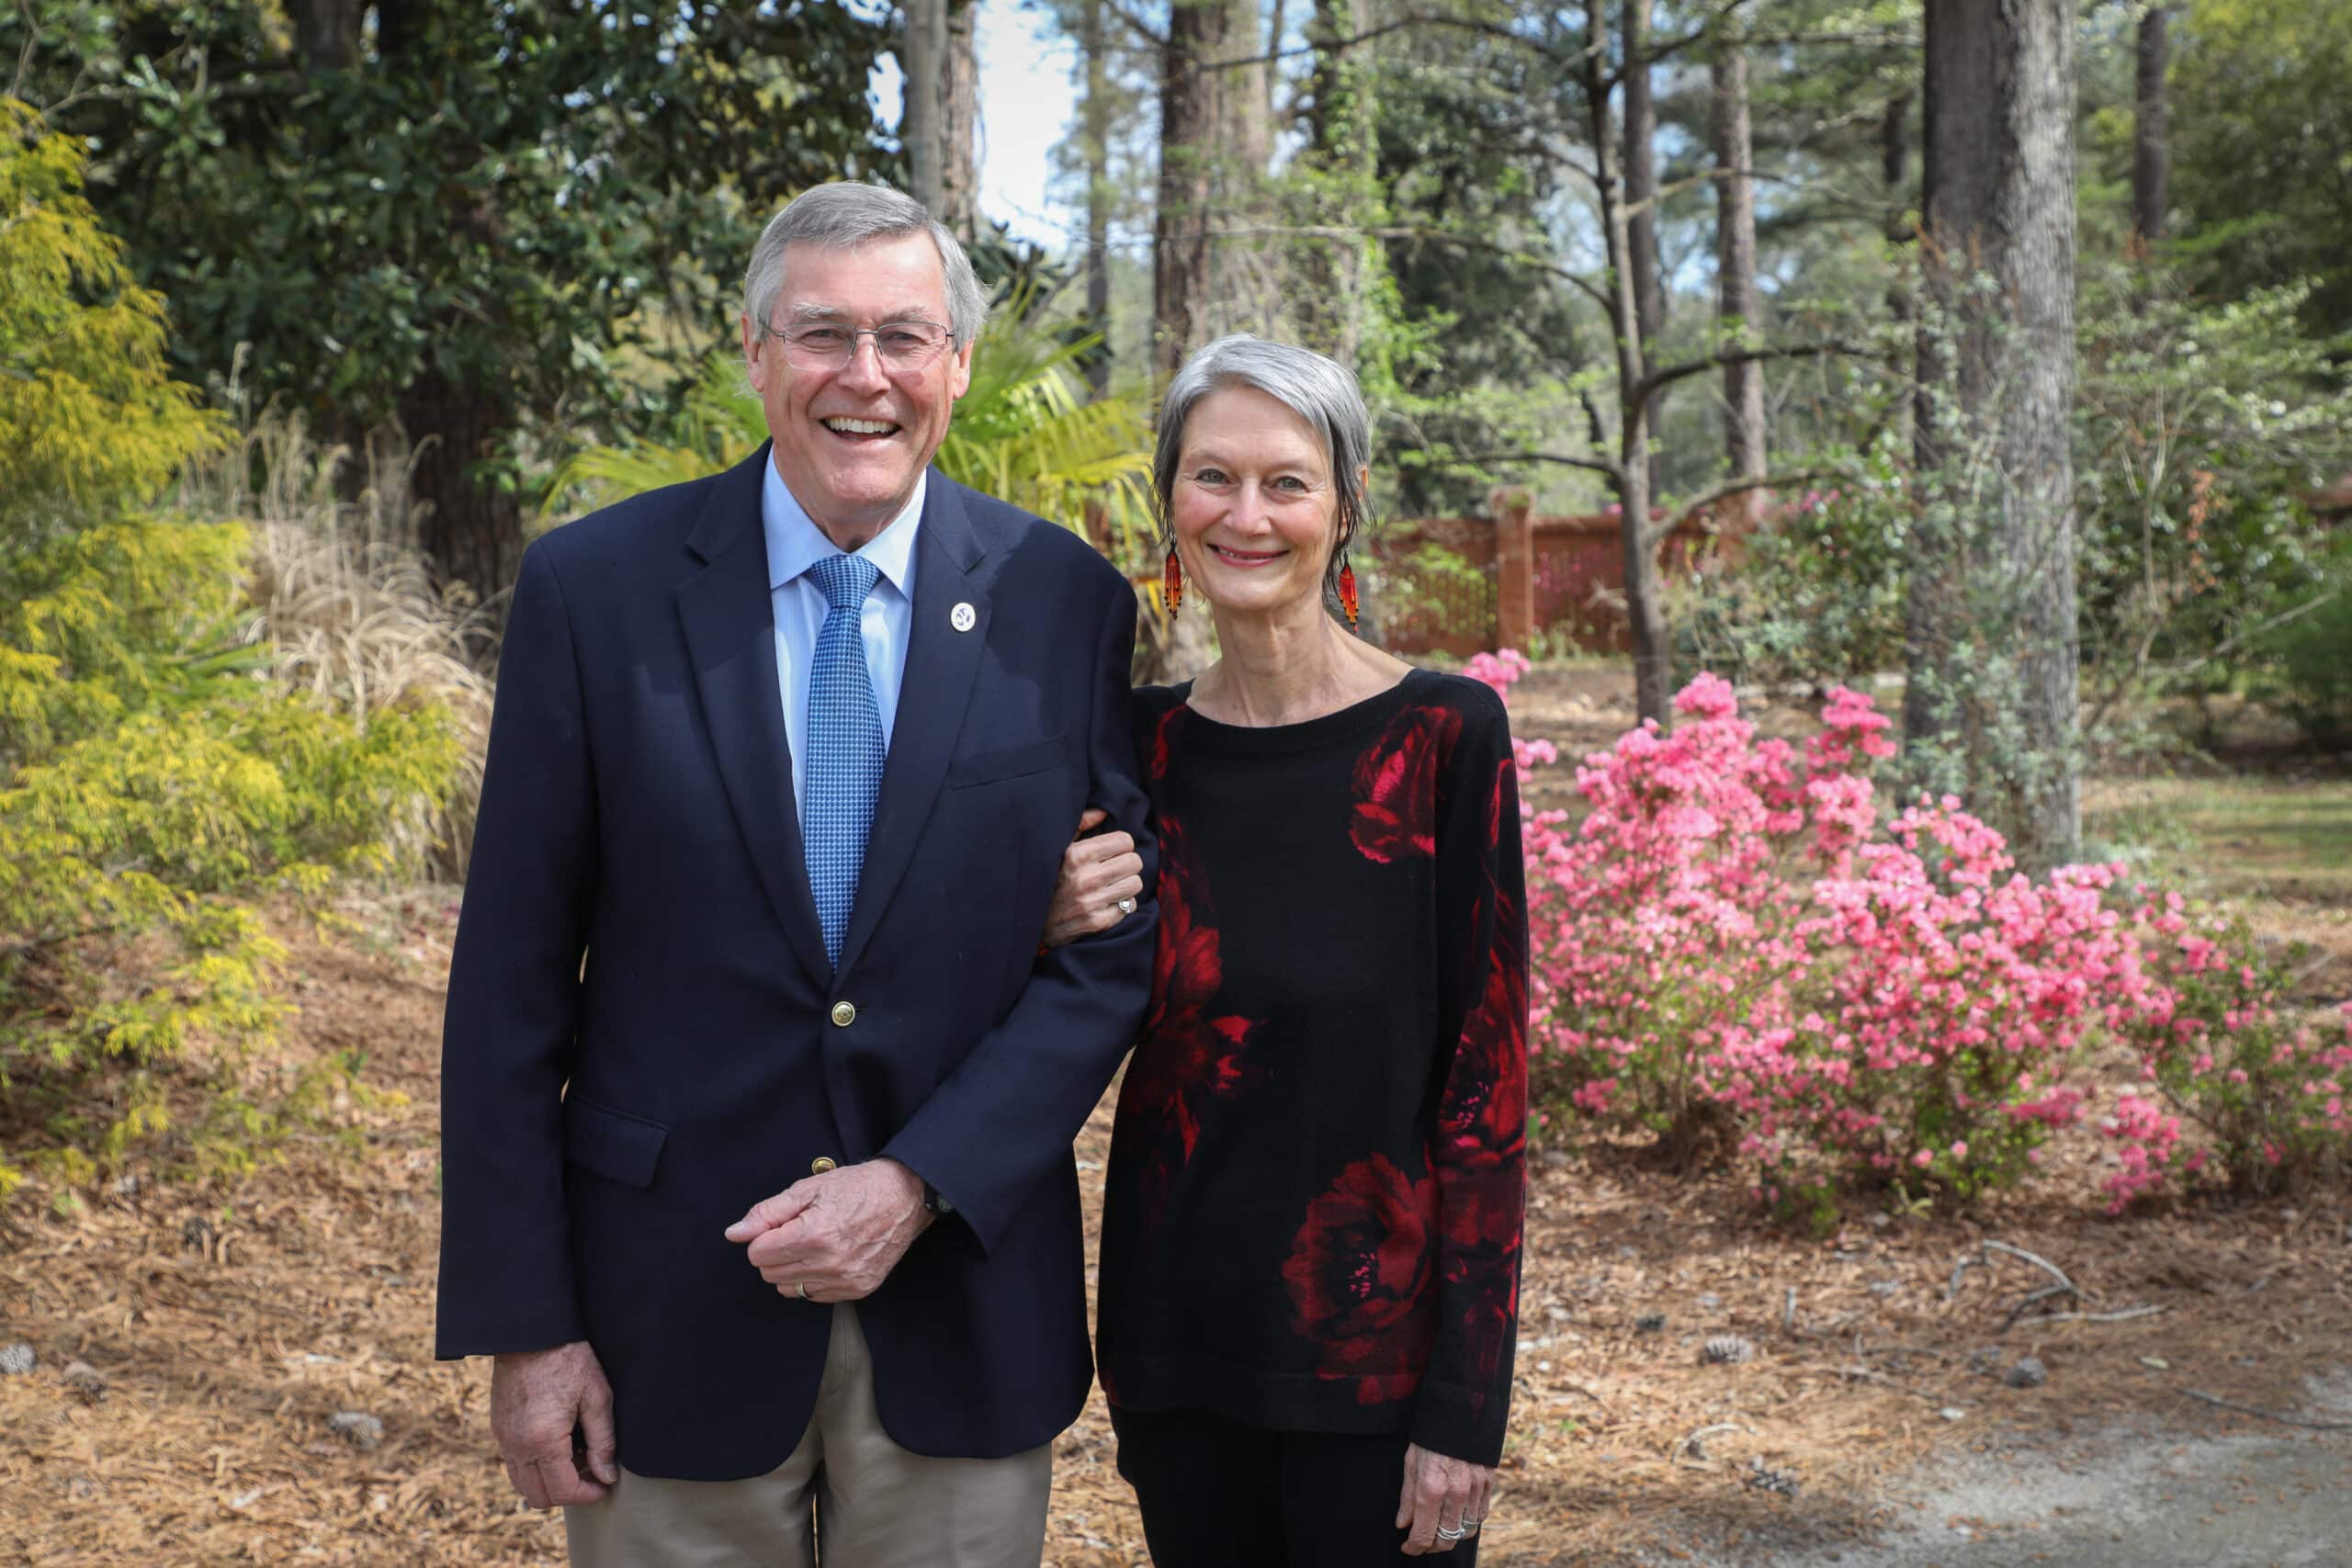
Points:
(859, 430)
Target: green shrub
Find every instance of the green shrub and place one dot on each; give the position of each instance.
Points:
(1813, 597)
(2310, 657)
(159, 777)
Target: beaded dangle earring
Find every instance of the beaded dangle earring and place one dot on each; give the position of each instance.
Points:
(1347, 589)
(1171, 581)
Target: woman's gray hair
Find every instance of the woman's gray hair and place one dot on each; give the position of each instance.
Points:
(1319, 391)
(846, 215)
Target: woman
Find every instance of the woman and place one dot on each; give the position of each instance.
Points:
(1313, 1210)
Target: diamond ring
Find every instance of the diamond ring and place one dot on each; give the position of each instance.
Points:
(1127, 906)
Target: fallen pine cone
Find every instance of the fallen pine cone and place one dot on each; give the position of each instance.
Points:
(86, 1380)
(356, 1428)
(1726, 1350)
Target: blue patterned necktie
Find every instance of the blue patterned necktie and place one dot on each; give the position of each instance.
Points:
(845, 748)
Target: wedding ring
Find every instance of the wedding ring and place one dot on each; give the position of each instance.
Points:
(803, 1288)
(1445, 1534)
(1127, 906)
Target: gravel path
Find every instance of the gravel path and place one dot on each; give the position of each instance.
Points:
(2231, 1492)
(2128, 1500)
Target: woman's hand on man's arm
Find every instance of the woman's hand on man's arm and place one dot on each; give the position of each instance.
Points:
(1098, 873)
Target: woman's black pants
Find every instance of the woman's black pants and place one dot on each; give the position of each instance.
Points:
(1218, 1493)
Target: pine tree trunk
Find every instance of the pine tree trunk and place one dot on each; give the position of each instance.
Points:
(1249, 135)
(1096, 111)
(1641, 199)
(2150, 135)
(922, 117)
(471, 533)
(1743, 440)
(1992, 585)
(1190, 112)
(1327, 301)
(1249, 276)
(1645, 611)
(327, 33)
(1895, 182)
(959, 117)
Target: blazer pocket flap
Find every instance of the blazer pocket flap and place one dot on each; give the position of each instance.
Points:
(613, 1143)
(1008, 761)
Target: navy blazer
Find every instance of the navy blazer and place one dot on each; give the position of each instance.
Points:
(644, 1037)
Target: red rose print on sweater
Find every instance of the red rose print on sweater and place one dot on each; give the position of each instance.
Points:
(1186, 1056)
(1484, 1219)
(1155, 762)
(1359, 1273)
(1482, 1117)
(1396, 784)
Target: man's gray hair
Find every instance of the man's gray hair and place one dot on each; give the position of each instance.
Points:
(843, 216)
(1321, 391)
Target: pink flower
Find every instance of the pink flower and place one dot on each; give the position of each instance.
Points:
(1736, 933)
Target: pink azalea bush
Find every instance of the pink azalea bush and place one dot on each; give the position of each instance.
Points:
(1732, 950)
(2271, 1093)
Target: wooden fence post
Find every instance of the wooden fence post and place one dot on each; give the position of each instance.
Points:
(1513, 507)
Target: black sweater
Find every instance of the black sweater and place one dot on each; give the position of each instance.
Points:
(1316, 1182)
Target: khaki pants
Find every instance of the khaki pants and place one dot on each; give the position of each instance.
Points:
(846, 1488)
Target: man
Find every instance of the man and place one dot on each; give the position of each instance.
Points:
(757, 1094)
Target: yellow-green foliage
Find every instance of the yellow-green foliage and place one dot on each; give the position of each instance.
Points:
(87, 414)
(156, 777)
(156, 787)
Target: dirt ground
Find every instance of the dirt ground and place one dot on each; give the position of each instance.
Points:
(195, 1347)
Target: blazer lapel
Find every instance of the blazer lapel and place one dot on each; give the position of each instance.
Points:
(941, 664)
(730, 624)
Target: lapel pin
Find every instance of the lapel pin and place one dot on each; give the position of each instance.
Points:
(963, 618)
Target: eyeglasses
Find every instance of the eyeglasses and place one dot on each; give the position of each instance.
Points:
(825, 345)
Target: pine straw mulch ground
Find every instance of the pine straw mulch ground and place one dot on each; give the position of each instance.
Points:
(216, 1332)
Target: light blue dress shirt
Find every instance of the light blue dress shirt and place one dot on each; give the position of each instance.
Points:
(796, 544)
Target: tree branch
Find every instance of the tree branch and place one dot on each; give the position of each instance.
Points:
(1593, 426)
(1590, 465)
(1399, 24)
(1590, 289)
(24, 56)
(1711, 176)
(2228, 644)
(1656, 379)
(1699, 34)
(13, 952)
(1849, 40)
(1406, 231)
(1136, 25)
(1651, 532)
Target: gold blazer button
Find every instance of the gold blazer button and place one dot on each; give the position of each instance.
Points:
(843, 1015)
(820, 1165)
